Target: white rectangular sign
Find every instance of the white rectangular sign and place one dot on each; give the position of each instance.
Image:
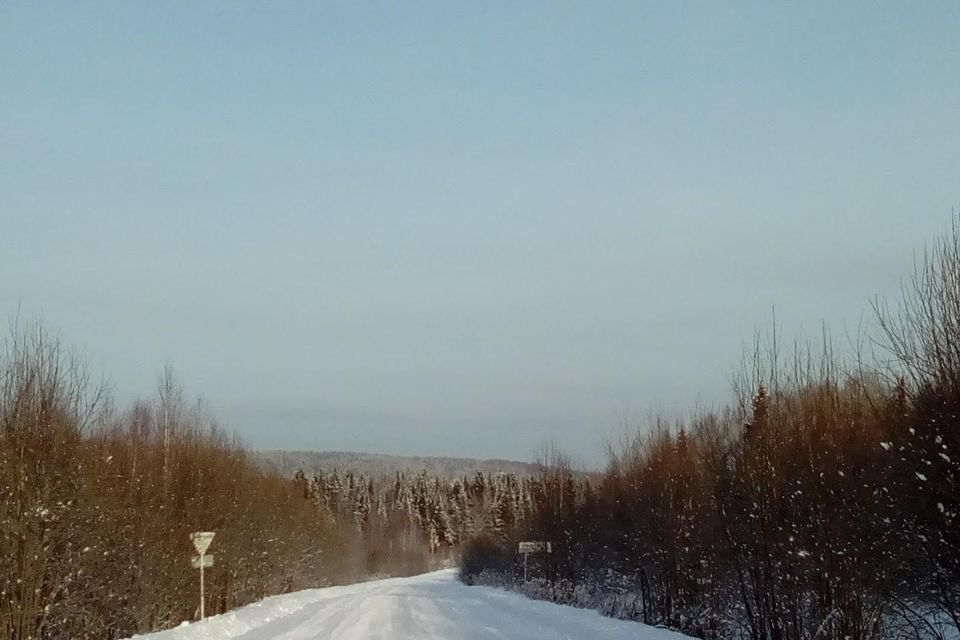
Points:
(201, 540)
(202, 561)
(535, 547)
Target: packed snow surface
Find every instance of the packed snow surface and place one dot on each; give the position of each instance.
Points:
(433, 606)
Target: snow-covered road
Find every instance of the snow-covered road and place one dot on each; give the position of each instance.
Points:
(434, 606)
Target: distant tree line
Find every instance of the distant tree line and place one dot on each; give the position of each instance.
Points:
(822, 504)
(376, 466)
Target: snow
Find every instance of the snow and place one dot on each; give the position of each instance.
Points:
(433, 606)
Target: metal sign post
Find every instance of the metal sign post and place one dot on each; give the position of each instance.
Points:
(526, 548)
(201, 542)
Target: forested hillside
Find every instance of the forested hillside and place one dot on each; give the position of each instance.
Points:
(822, 503)
(373, 465)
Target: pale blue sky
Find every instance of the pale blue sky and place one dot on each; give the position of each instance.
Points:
(463, 228)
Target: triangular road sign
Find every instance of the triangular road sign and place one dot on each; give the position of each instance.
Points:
(201, 540)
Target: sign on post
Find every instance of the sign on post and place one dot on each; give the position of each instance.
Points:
(201, 542)
(533, 546)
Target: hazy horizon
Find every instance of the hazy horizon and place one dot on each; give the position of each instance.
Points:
(453, 229)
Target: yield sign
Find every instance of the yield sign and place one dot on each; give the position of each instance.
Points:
(201, 540)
